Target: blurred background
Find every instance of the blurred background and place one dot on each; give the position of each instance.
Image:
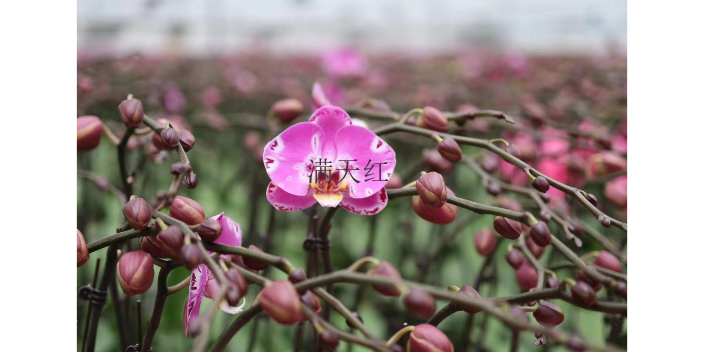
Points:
(215, 67)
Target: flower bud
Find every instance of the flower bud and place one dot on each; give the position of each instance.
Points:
(209, 230)
(471, 292)
(131, 112)
(592, 199)
(135, 272)
(90, 130)
(158, 143)
(621, 289)
(82, 251)
(490, 163)
(604, 163)
(281, 301)
(330, 339)
(191, 256)
(170, 137)
(604, 220)
(548, 315)
(541, 184)
(190, 180)
(515, 257)
(432, 119)
(442, 216)
(431, 189)
(609, 261)
(419, 303)
(450, 150)
(170, 241)
(297, 276)
(518, 315)
(186, 210)
(137, 213)
(485, 242)
(239, 286)
(254, 263)
(436, 162)
(583, 294)
(513, 150)
(427, 338)
(287, 110)
(596, 285)
(541, 234)
(312, 302)
(508, 228)
(616, 191)
(187, 139)
(545, 197)
(493, 188)
(153, 246)
(356, 316)
(526, 276)
(386, 270)
(552, 282)
(534, 249)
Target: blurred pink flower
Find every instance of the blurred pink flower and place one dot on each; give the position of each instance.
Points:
(557, 170)
(344, 63)
(174, 101)
(293, 160)
(203, 282)
(616, 191)
(211, 96)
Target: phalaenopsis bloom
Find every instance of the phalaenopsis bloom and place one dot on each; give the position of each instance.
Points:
(330, 161)
(204, 283)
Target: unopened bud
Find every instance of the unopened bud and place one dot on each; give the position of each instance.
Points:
(604, 220)
(490, 163)
(385, 269)
(82, 251)
(441, 216)
(255, 263)
(187, 139)
(154, 247)
(169, 137)
(508, 228)
(493, 188)
(431, 189)
(428, 338)
(534, 249)
(191, 256)
(239, 286)
(190, 180)
(471, 292)
(135, 272)
(312, 302)
(526, 276)
(170, 241)
(297, 276)
(592, 199)
(541, 184)
(210, 229)
(485, 242)
(541, 234)
(137, 213)
(513, 150)
(576, 343)
(515, 258)
(435, 162)
(552, 282)
(131, 112)
(548, 314)
(583, 294)
(450, 150)
(330, 339)
(621, 289)
(178, 168)
(616, 191)
(186, 210)
(419, 303)
(596, 285)
(281, 301)
(433, 119)
(609, 261)
(90, 130)
(287, 110)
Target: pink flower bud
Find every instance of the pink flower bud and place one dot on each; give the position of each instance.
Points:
(330, 339)
(281, 301)
(621, 289)
(436, 162)
(583, 294)
(534, 249)
(82, 250)
(170, 241)
(312, 302)
(385, 269)
(135, 272)
(548, 315)
(471, 292)
(209, 230)
(131, 112)
(137, 213)
(450, 150)
(540, 233)
(596, 285)
(432, 119)
(254, 263)
(508, 228)
(419, 303)
(515, 257)
(170, 137)
(239, 286)
(526, 276)
(605, 163)
(297, 276)
(90, 130)
(154, 247)
(427, 338)
(186, 210)
(441, 216)
(191, 256)
(187, 139)
(287, 110)
(541, 184)
(190, 180)
(616, 191)
(431, 189)
(609, 261)
(485, 242)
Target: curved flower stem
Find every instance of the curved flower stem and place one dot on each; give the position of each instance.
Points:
(121, 156)
(485, 144)
(615, 275)
(119, 238)
(178, 287)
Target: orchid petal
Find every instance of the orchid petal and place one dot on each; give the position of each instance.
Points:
(196, 289)
(366, 206)
(319, 97)
(285, 201)
(287, 158)
(354, 142)
(329, 200)
(330, 119)
(231, 233)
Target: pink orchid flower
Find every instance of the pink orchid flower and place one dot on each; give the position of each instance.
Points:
(344, 63)
(203, 282)
(292, 160)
